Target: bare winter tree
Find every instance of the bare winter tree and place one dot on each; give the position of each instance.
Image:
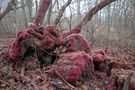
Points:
(7, 10)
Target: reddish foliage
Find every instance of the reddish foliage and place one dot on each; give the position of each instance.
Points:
(76, 42)
(73, 65)
(51, 38)
(15, 50)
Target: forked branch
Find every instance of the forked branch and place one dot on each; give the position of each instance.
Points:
(88, 16)
(57, 20)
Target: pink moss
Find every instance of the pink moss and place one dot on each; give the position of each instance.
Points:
(15, 50)
(74, 73)
(52, 37)
(42, 10)
(98, 57)
(99, 60)
(35, 34)
(76, 42)
(73, 65)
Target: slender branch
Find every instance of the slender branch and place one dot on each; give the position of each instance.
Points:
(12, 86)
(19, 7)
(61, 12)
(7, 10)
(88, 16)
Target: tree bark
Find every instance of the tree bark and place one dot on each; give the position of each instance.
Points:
(41, 12)
(7, 10)
(88, 16)
(61, 12)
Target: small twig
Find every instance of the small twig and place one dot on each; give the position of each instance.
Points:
(38, 63)
(61, 77)
(50, 70)
(3, 47)
(127, 82)
(8, 84)
(22, 69)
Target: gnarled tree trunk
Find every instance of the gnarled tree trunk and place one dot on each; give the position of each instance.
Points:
(88, 16)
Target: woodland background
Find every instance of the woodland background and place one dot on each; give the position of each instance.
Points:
(113, 26)
(110, 28)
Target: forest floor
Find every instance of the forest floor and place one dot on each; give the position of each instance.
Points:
(36, 79)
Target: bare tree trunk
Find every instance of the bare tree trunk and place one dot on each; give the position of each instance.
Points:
(78, 9)
(125, 24)
(108, 27)
(41, 12)
(29, 2)
(24, 14)
(7, 10)
(4, 29)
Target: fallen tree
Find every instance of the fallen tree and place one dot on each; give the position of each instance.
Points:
(76, 62)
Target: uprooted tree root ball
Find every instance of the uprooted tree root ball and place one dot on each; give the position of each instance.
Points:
(76, 64)
(69, 55)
